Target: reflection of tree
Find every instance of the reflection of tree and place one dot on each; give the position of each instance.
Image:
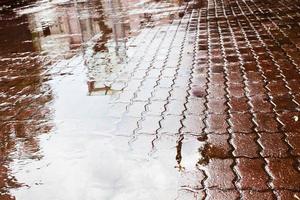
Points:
(24, 113)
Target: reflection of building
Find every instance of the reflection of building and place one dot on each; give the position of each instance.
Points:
(62, 29)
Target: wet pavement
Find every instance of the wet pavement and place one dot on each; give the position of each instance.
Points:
(143, 99)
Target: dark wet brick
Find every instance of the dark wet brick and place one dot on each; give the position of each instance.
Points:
(284, 103)
(266, 122)
(245, 145)
(236, 90)
(217, 146)
(252, 173)
(254, 77)
(238, 104)
(220, 174)
(277, 88)
(289, 121)
(293, 138)
(260, 103)
(288, 195)
(273, 145)
(256, 89)
(216, 123)
(235, 77)
(284, 174)
(241, 122)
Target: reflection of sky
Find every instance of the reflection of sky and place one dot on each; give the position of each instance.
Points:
(84, 159)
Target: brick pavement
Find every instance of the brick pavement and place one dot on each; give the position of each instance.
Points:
(226, 76)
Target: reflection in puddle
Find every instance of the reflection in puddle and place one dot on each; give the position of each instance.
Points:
(59, 137)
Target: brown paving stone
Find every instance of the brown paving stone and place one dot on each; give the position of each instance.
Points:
(266, 122)
(217, 146)
(241, 122)
(217, 106)
(216, 91)
(251, 195)
(220, 174)
(238, 104)
(293, 138)
(288, 195)
(245, 145)
(260, 103)
(273, 145)
(256, 89)
(236, 90)
(289, 121)
(284, 174)
(214, 194)
(235, 77)
(216, 123)
(283, 103)
(252, 173)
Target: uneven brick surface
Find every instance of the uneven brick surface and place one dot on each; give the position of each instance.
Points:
(211, 96)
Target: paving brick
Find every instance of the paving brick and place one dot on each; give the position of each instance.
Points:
(238, 104)
(195, 106)
(217, 146)
(289, 121)
(156, 108)
(250, 195)
(252, 174)
(214, 194)
(170, 124)
(220, 174)
(241, 122)
(236, 90)
(273, 145)
(293, 139)
(245, 145)
(216, 123)
(193, 124)
(283, 103)
(283, 195)
(284, 174)
(217, 106)
(266, 122)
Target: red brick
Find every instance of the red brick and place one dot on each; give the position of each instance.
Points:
(238, 104)
(220, 174)
(241, 122)
(252, 174)
(289, 121)
(273, 145)
(222, 195)
(236, 90)
(284, 174)
(216, 123)
(260, 103)
(293, 138)
(217, 106)
(288, 195)
(266, 122)
(251, 195)
(245, 145)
